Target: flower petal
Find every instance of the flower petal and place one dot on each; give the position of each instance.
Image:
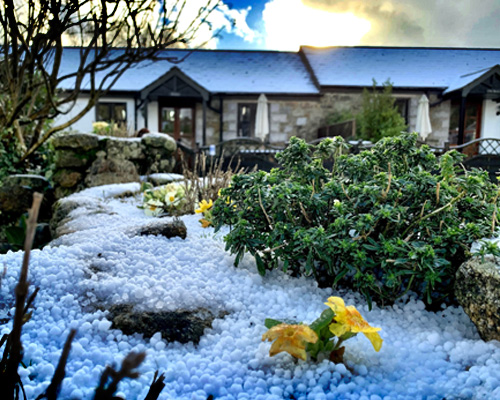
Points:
(375, 339)
(307, 335)
(336, 304)
(338, 329)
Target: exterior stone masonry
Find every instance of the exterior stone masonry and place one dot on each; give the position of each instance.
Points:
(289, 118)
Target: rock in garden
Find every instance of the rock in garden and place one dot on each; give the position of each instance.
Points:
(477, 289)
(180, 326)
(16, 196)
(169, 229)
(164, 178)
(80, 141)
(60, 224)
(159, 141)
(67, 178)
(105, 171)
(128, 149)
(71, 159)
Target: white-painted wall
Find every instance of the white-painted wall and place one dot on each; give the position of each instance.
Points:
(153, 117)
(490, 125)
(84, 124)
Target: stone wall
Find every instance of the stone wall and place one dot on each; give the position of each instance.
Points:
(303, 118)
(440, 121)
(87, 160)
(286, 119)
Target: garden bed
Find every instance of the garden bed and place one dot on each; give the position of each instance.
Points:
(101, 262)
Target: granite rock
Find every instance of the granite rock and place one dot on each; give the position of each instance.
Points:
(477, 289)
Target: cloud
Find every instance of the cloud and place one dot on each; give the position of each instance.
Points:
(422, 22)
(291, 23)
(219, 20)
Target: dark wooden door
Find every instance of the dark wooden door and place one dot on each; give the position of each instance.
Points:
(177, 118)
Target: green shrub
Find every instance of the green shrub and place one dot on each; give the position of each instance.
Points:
(339, 116)
(379, 116)
(383, 222)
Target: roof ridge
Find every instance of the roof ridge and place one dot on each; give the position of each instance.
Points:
(205, 50)
(402, 48)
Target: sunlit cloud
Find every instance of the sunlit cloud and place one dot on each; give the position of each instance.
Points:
(422, 22)
(218, 21)
(290, 24)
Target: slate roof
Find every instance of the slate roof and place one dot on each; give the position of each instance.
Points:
(219, 71)
(467, 79)
(274, 72)
(405, 67)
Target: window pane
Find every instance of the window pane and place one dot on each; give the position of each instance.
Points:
(402, 106)
(186, 122)
(103, 112)
(471, 116)
(246, 119)
(120, 113)
(167, 120)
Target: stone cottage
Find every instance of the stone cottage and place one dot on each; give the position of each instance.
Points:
(211, 95)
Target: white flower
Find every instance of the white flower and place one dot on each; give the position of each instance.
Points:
(153, 208)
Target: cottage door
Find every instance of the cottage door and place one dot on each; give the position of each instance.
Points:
(178, 122)
(472, 124)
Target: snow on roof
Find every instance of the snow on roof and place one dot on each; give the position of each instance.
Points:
(274, 72)
(219, 71)
(467, 79)
(405, 67)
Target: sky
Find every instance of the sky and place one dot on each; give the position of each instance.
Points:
(288, 24)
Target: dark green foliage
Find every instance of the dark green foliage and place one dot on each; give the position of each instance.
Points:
(41, 162)
(12, 236)
(383, 222)
(379, 117)
(9, 153)
(338, 117)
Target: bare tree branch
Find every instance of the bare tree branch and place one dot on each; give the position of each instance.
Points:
(113, 36)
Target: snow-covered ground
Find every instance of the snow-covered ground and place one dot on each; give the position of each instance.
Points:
(424, 355)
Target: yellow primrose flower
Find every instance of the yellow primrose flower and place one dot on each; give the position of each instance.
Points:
(349, 320)
(153, 208)
(290, 338)
(205, 223)
(170, 198)
(204, 206)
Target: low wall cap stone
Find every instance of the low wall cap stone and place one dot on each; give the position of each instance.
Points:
(84, 141)
(159, 140)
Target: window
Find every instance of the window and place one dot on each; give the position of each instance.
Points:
(472, 121)
(178, 122)
(246, 119)
(403, 106)
(112, 112)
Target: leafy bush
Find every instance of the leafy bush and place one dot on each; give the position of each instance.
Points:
(383, 222)
(9, 153)
(379, 117)
(338, 117)
(110, 129)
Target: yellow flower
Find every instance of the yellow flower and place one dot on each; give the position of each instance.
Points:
(204, 206)
(228, 200)
(290, 338)
(349, 320)
(205, 223)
